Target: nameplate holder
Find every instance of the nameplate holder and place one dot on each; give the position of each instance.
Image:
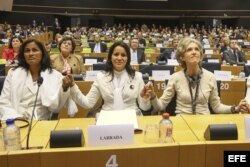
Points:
(161, 75)
(66, 138)
(110, 135)
(173, 62)
(209, 52)
(213, 61)
(221, 132)
(206, 46)
(247, 127)
(159, 45)
(91, 75)
(223, 75)
(90, 61)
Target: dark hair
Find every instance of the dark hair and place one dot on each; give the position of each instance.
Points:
(45, 63)
(109, 65)
(11, 39)
(68, 39)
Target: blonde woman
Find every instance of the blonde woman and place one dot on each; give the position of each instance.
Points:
(193, 86)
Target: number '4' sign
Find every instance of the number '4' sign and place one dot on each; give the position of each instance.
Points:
(112, 161)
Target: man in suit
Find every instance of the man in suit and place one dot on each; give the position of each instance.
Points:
(137, 55)
(169, 53)
(234, 55)
(98, 46)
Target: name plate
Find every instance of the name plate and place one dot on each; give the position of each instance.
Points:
(110, 135)
(159, 45)
(91, 75)
(161, 75)
(86, 50)
(173, 62)
(209, 52)
(247, 127)
(213, 60)
(222, 75)
(206, 46)
(90, 61)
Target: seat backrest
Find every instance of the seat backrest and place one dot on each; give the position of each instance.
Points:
(2, 69)
(2, 78)
(172, 105)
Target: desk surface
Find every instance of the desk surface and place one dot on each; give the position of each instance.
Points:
(215, 149)
(189, 149)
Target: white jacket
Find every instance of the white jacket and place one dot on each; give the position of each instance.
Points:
(103, 88)
(52, 98)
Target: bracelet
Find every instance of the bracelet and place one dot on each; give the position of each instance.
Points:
(152, 98)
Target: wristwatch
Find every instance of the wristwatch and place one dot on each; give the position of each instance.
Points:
(234, 109)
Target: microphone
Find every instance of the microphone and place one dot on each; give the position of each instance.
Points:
(146, 75)
(145, 67)
(39, 83)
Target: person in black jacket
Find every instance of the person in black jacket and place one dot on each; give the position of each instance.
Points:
(98, 46)
(169, 53)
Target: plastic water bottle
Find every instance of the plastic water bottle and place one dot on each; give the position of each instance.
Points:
(224, 62)
(11, 136)
(166, 129)
(242, 75)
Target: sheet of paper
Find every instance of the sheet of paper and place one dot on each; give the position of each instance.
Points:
(118, 117)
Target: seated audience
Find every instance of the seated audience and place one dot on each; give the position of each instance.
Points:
(194, 87)
(234, 54)
(169, 54)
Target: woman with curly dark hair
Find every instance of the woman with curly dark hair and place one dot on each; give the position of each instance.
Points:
(119, 85)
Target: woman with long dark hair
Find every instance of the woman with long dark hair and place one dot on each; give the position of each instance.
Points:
(33, 73)
(119, 85)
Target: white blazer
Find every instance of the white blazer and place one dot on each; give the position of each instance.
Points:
(103, 88)
(52, 98)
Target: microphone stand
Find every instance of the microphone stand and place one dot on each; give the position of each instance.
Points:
(39, 83)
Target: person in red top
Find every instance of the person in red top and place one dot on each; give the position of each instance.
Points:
(11, 53)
